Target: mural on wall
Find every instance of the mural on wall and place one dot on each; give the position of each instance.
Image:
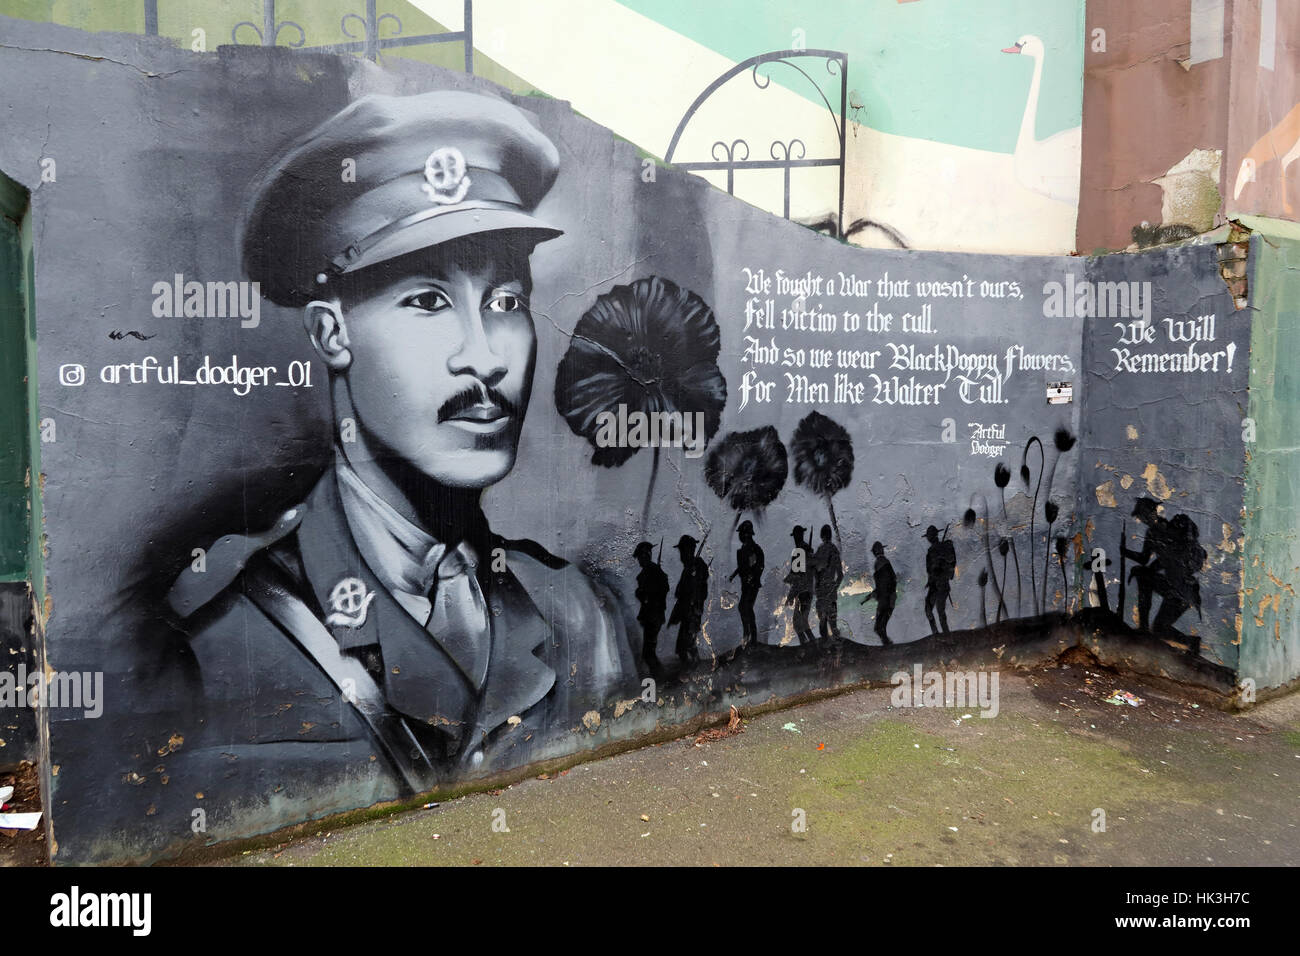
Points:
(453, 443)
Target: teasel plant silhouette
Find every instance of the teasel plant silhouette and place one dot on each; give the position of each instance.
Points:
(969, 520)
(1062, 441)
(1024, 477)
(984, 610)
(649, 347)
(823, 460)
(1004, 546)
(1061, 544)
(747, 470)
(1050, 511)
(1002, 478)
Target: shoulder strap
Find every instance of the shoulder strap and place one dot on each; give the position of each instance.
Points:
(352, 680)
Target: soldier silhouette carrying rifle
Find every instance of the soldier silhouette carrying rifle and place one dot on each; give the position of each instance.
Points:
(691, 593)
(940, 568)
(1167, 565)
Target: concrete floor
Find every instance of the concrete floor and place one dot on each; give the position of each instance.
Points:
(1179, 783)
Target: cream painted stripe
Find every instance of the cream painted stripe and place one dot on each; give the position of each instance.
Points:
(617, 67)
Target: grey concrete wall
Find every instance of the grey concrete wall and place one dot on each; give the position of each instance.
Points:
(215, 723)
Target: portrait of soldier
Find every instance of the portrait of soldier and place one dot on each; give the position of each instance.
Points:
(381, 627)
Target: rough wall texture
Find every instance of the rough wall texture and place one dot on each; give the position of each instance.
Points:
(1172, 437)
(1146, 108)
(1191, 114)
(1270, 631)
(924, 409)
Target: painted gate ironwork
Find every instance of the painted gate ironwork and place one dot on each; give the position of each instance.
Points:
(786, 155)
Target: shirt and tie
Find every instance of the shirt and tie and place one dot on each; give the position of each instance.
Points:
(436, 585)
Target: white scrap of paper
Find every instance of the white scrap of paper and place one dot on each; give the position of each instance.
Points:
(19, 821)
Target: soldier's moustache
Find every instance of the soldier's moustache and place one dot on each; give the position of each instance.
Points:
(476, 395)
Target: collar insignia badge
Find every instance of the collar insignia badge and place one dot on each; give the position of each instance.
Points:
(445, 176)
(349, 602)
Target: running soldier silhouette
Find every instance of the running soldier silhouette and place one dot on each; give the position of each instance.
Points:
(886, 592)
(940, 568)
(749, 567)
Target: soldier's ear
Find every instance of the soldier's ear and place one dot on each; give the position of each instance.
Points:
(328, 333)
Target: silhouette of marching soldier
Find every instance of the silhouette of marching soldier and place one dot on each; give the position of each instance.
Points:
(1167, 565)
(885, 593)
(749, 566)
(940, 568)
(692, 590)
(652, 593)
(800, 579)
(828, 571)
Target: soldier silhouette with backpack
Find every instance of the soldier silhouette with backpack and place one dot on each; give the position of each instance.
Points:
(940, 569)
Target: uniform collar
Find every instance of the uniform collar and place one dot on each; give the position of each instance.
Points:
(403, 557)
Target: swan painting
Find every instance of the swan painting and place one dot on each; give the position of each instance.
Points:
(1282, 141)
(1049, 166)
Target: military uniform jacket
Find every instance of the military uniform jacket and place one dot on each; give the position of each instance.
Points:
(290, 690)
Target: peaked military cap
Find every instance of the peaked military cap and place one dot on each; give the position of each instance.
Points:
(429, 168)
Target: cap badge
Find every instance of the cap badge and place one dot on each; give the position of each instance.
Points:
(444, 174)
(349, 601)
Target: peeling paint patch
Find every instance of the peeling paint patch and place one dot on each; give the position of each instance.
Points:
(1229, 543)
(1132, 432)
(1106, 495)
(1156, 483)
(1126, 481)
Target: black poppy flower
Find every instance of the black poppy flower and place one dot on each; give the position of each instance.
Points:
(1061, 544)
(969, 518)
(643, 351)
(1001, 475)
(823, 459)
(1050, 510)
(1063, 440)
(747, 469)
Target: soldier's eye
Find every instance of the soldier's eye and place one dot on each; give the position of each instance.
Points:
(505, 301)
(431, 300)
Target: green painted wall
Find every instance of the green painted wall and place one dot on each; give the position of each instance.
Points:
(930, 69)
(1270, 630)
(17, 355)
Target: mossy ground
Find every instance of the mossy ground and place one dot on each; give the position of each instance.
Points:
(1178, 783)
